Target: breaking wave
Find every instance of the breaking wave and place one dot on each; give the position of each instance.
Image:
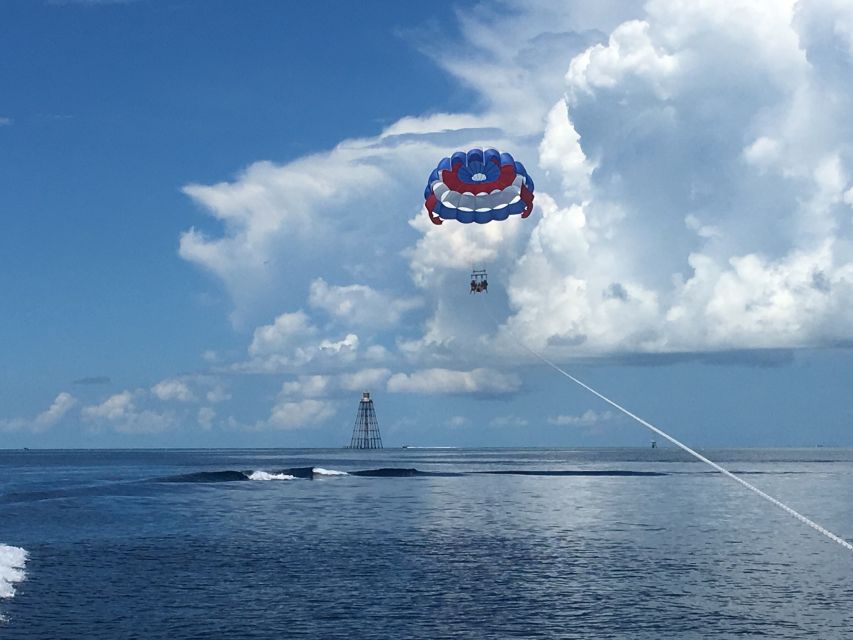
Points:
(306, 473)
(263, 475)
(320, 471)
(309, 473)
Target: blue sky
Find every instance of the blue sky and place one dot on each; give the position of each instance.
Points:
(213, 233)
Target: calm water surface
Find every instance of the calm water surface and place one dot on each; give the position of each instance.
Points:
(611, 543)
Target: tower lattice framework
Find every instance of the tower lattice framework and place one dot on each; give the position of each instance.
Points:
(365, 431)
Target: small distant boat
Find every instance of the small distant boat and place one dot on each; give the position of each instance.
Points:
(409, 446)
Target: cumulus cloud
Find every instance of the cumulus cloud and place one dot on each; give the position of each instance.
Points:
(364, 379)
(290, 414)
(586, 419)
(217, 394)
(720, 219)
(630, 55)
(437, 123)
(307, 386)
(287, 330)
(432, 381)
(120, 413)
(60, 406)
(173, 390)
(359, 304)
(560, 153)
(311, 217)
(509, 421)
(308, 400)
(323, 385)
(205, 417)
(292, 342)
(693, 195)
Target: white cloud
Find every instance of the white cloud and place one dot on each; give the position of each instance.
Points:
(63, 403)
(693, 194)
(283, 334)
(730, 248)
(457, 248)
(205, 417)
(587, 419)
(291, 342)
(432, 381)
(318, 386)
(298, 414)
(764, 152)
(313, 216)
(458, 421)
(509, 421)
(436, 123)
(113, 407)
(5, 122)
(630, 55)
(60, 406)
(560, 151)
(120, 413)
(173, 389)
(365, 379)
(359, 304)
(217, 394)
(307, 386)
(348, 344)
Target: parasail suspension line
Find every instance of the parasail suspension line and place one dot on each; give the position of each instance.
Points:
(814, 525)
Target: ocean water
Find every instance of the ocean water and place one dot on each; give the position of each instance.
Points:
(418, 543)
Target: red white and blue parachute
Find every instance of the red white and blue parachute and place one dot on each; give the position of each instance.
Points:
(478, 186)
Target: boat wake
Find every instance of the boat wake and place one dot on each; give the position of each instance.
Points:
(12, 562)
(305, 473)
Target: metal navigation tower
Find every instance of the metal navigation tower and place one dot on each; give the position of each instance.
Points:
(365, 432)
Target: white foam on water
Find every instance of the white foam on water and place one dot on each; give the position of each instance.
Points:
(12, 561)
(263, 475)
(320, 471)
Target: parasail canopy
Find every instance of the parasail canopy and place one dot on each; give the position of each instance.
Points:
(478, 186)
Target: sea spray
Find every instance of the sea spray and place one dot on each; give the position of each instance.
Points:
(12, 561)
(263, 475)
(320, 471)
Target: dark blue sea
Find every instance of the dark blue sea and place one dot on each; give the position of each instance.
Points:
(422, 543)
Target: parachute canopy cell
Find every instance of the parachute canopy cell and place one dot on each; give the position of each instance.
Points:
(478, 186)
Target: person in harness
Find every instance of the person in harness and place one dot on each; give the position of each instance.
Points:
(479, 283)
